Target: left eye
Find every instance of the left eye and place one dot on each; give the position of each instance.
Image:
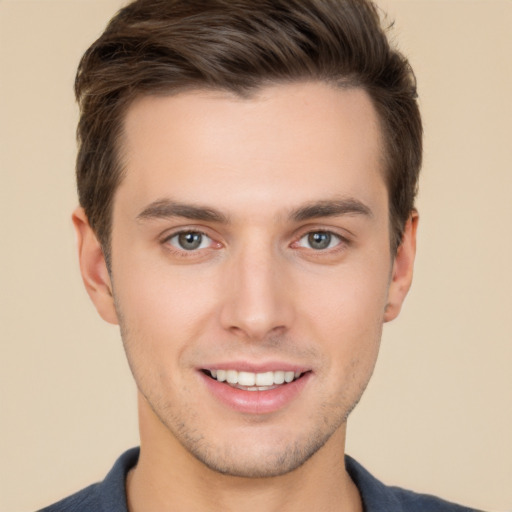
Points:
(190, 240)
(319, 240)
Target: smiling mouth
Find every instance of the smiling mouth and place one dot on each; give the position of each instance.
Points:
(249, 381)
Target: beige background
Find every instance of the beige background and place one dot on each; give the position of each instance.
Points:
(437, 416)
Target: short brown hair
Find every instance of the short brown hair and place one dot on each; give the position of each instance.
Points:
(166, 46)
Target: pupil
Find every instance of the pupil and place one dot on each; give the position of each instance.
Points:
(319, 240)
(190, 241)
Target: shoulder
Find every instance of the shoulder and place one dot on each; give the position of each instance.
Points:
(86, 500)
(106, 496)
(378, 497)
(412, 501)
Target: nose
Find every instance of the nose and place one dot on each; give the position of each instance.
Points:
(257, 295)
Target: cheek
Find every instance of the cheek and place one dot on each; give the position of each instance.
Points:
(346, 313)
(347, 299)
(162, 306)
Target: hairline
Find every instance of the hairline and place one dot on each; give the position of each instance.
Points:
(243, 93)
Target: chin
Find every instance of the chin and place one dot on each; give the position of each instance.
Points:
(262, 458)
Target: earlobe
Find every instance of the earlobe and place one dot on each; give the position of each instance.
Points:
(403, 265)
(94, 268)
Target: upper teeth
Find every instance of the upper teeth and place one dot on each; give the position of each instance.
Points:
(254, 379)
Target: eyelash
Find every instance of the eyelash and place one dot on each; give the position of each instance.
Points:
(340, 245)
(331, 237)
(182, 252)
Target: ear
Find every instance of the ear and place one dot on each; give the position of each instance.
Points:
(94, 268)
(401, 277)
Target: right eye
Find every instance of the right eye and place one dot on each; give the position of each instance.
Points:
(190, 241)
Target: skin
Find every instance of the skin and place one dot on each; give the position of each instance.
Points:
(255, 290)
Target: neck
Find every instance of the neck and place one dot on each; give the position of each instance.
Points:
(168, 478)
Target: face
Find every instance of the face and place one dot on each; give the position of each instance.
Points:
(251, 271)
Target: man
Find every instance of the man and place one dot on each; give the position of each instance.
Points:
(246, 175)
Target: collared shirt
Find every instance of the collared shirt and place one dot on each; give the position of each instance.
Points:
(110, 494)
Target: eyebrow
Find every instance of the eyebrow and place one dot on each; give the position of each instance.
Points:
(167, 208)
(331, 208)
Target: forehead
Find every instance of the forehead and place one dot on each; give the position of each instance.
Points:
(286, 143)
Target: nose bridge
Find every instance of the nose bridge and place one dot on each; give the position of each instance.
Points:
(257, 302)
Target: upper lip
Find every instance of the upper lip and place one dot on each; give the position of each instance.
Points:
(260, 367)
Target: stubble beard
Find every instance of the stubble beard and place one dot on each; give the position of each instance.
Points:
(249, 461)
(284, 456)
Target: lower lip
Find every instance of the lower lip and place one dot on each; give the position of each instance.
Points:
(256, 402)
